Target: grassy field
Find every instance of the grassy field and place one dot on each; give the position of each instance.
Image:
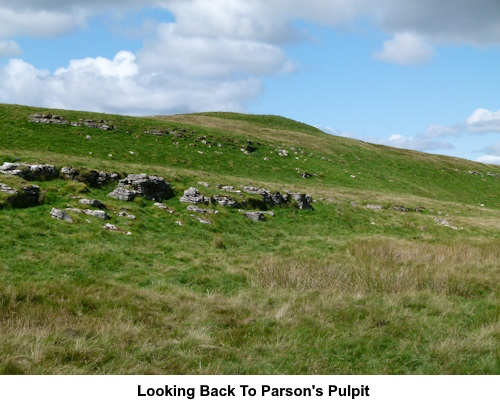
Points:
(341, 289)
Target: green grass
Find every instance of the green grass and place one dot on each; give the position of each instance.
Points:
(340, 289)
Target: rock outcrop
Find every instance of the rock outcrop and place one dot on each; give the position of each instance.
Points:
(193, 196)
(36, 172)
(225, 201)
(303, 201)
(93, 178)
(150, 187)
(23, 197)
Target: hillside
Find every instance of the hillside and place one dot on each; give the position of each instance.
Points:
(300, 252)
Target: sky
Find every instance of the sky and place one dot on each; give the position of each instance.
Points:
(414, 74)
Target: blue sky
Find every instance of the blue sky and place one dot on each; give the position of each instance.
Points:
(417, 74)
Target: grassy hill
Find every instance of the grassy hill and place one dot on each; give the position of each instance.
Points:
(352, 286)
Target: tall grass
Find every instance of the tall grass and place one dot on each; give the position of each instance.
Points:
(388, 266)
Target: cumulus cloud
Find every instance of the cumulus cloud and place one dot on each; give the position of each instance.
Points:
(406, 48)
(483, 121)
(215, 53)
(120, 85)
(9, 48)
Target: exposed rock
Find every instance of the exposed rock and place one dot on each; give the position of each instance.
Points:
(128, 216)
(401, 208)
(194, 208)
(255, 216)
(225, 201)
(164, 207)
(122, 194)
(26, 196)
(48, 119)
(93, 178)
(93, 203)
(26, 171)
(419, 209)
(303, 200)
(274, 198)
(373, 206)
(305, 175)
(204, 221)
(230, 189)
(204, 184)
(193, 196)
(111, 227)
(150, 187)
(253, 190)
(446, 223)
(61, 215)
(493, 174)
(97, 213)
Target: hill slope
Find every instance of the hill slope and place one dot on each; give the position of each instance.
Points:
(394, 270)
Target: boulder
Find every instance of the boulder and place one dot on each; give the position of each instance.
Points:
(303, 200)
(97, 213)
(225, 201)
(255, 216)
(193, 196)
(61, 215)
(150, 187)
(93, 203)
(122, 194)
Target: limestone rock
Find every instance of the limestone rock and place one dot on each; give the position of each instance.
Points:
(97, 213)
(26, 196)
(194, 208)
(193, 196)
(38, 172)
(93, 203)
(122, 194)
(93, 178)
(61, 215)
(225, 201)
(150, 187)
(303, 200)
(255, 216)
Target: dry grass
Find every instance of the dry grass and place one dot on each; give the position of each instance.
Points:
(388, 266)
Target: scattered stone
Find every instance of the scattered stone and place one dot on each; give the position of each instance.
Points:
(305, 175)
(204, 184)
(204, 221)
(97, 213)
(194, 208)
(61, 215)
(93, 203)
(303, 200)
(37, 172)
(88, 138)
(255, 216)
(282, 152)
(248, 147)
(150, 187)
(225, 201)
(128, 216)
(401, 208)
(111, 227)
(164, 207)
(193, 196)
(373, 206)
(178, 223)
(493, 174)
(419, 209)
(253, 190)
(446, 223)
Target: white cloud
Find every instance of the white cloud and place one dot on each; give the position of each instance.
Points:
(493, 159)
(441, 131)
(415, 143)
(483, 121)
(120, 85)
(406, 48)
(9, 48)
